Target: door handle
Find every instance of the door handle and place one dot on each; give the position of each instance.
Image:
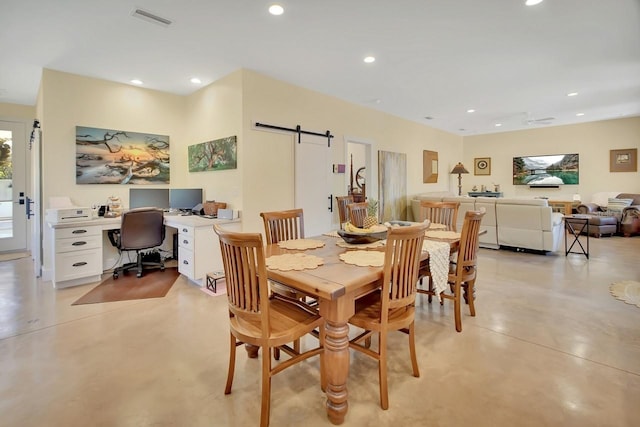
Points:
(330, 202)
(28, 206)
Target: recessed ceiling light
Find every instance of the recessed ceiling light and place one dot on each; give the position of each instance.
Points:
(498, 125)
(572, 93)
(195, 80)
(580, 114)
(369, 59)
(276, 9)
(136, 81)
(471, 110)
(532, 2)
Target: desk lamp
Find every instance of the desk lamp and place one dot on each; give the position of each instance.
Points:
(459, 169)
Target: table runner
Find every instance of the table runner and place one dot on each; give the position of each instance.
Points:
(438, 263)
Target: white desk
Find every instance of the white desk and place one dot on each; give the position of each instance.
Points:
(77, 248)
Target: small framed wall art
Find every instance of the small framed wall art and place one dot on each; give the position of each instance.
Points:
(482, 166)
(623, 160)
(429, 166)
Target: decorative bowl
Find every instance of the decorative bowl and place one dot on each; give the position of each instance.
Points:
(362, 238)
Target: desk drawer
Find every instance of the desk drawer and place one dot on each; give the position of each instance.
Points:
(74, 265)
(186, 262)
(185, 241)
(185, 230)
(79, 243)
(80, 231)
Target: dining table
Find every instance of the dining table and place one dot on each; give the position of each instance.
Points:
(336, 285)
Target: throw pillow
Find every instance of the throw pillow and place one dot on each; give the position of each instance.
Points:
(618, 205)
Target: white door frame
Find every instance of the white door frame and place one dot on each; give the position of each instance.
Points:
(20, 184)
(371, 165)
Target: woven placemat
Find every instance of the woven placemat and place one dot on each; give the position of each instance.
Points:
(301, 244)
(333, 233)
(363, 258)
(437, 226)
(441, 234)
(377, 244)
(288, 262)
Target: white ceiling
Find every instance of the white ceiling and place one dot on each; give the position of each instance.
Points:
(437, 58)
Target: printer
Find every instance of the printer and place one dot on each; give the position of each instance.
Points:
(68, 214)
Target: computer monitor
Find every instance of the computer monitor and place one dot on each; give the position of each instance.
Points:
(185, 198)
(149, 198)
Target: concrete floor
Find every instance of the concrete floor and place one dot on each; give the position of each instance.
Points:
(549, 347)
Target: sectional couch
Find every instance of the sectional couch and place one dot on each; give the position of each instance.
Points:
(509, 222)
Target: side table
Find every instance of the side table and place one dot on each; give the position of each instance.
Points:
(574, 228)
(212, 280)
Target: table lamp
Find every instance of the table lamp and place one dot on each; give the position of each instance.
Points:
(459, 169)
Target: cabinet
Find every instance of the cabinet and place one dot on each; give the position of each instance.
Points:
(199, 248)
(564, 207)
(77, 255)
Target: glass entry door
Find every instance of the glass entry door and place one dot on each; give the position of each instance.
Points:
(13, 219)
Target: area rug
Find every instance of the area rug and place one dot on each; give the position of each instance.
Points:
(153, 284)
(13, 256)
(627, 291)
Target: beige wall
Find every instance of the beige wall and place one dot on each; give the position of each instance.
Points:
(211, 113)
(70, 100)
(16, 111)
(268, 156)
(592, 141)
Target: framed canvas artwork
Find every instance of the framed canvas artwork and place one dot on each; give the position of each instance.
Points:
(110, 156)
(219, 154)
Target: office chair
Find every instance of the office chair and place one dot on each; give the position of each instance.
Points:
(141, 229)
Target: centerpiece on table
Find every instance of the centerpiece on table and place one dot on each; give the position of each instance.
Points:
(371, 231)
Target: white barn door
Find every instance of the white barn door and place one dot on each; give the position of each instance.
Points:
(313, 183)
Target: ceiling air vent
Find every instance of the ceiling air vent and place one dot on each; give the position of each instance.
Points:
(151, 17)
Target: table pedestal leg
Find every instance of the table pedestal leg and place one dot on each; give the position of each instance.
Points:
(336, 368)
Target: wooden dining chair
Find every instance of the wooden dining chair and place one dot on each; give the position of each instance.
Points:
(462, 273)
(279, 226)
(283, 225)
(357, 213)
(445, 213)
(440, 213)
(257, 317)
(392, 307)
(342, 202)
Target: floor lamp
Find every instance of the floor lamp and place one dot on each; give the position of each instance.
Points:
(459, 169)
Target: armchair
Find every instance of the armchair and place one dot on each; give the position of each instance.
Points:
(141, 229)
(627, 213)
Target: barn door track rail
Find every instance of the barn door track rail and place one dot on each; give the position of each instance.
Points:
(299, 131)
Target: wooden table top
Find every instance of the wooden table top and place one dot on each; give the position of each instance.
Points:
(334, 277)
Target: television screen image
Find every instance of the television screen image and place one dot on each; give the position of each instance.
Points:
(546, 170)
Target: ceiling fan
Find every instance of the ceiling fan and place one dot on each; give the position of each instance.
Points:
(531, 120)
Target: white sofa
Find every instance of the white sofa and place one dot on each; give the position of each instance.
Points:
(508, 222)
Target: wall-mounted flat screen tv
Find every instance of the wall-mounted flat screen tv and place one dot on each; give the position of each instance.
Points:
(546, 170)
